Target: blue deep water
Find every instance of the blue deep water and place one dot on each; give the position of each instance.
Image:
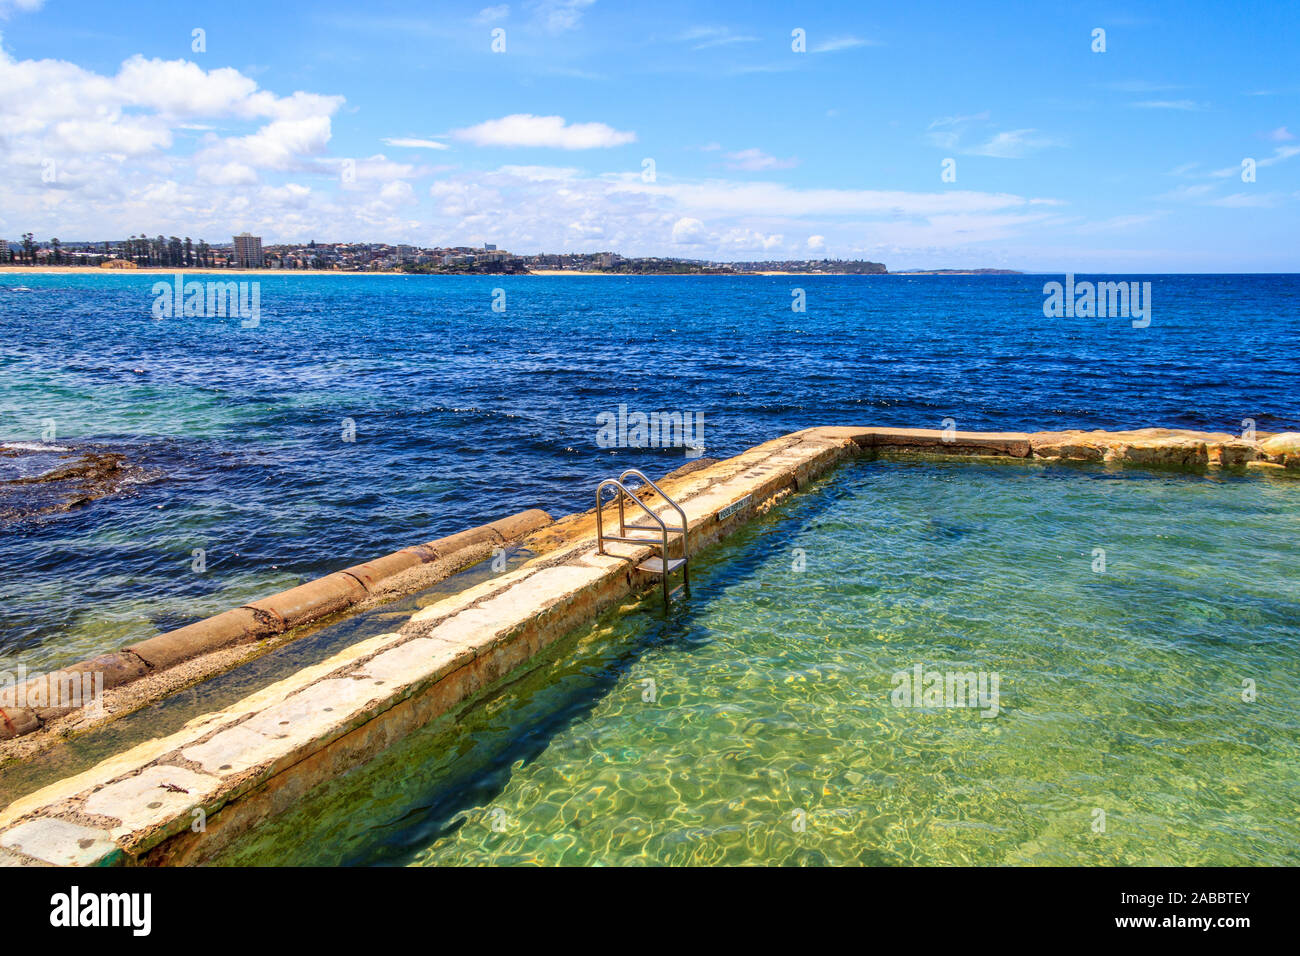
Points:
(463, 414)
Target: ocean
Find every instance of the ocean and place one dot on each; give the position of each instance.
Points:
(362, 414)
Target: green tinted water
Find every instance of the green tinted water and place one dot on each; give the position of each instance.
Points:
(759, 724)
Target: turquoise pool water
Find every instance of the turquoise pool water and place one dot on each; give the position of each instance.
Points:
(763, 722)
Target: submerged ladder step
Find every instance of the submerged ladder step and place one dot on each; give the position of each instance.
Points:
(656, 565)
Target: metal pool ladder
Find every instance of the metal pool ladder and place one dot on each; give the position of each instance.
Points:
(663, 565)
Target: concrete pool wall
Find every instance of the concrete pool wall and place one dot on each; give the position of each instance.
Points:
(49, 707)
(182, 798)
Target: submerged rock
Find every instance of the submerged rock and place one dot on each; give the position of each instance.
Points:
(40, 479)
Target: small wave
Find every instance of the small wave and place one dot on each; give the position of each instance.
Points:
(31, 446)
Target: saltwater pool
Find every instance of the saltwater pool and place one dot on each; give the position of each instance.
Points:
(763, 721)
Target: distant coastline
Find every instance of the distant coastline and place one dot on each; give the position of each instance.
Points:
(172, 270)
(169, 271)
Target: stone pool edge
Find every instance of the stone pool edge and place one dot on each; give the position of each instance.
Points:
(149, 670)
(231, 769)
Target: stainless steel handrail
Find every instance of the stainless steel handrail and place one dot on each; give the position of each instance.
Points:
(623, 492)
(644, 477)
(600, 525)
(685, 529)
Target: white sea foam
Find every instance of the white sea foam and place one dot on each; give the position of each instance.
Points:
(30, 446)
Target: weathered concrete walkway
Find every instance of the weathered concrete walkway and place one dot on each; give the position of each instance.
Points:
(182, 798)
(49, 707)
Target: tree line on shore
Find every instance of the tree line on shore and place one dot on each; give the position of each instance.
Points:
(160, 251)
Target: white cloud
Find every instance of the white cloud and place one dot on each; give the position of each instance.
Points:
(406, 143)
(57, 109)
(464, 202)
(557, 16)
(1246, 201)
(227, 174)
(959, 121)
(540, 174)
(290, 195)
(283, 144)
(375, 169)
(950, 132)
(744, 240)
(944, 138)
(1280, 154)
(1139, 86)
(1203, 193)
(493, 14)
(1280, 135)
(1119, 223)
(835, 44)
(716, 218)
(753, 160)
(688, 232)
(1012, 144)
(123, 136)
(182, 88)
(8, 7)
(1189, 105)
(397, 191)
(172, 147)
(702, 38)
(551, 132)
(1184, 193)
(585, 230)
(726, 197)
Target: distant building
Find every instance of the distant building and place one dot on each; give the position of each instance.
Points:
(4, 249)
(248, 251)
(489, 247)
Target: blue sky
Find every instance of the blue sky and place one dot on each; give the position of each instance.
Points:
(398, 122)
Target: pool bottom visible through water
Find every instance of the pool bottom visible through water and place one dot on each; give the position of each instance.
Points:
(1141, 627)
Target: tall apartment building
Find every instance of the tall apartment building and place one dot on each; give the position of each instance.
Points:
(4, 249)
(248, 251)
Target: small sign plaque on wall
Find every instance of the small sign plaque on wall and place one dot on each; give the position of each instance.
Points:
(732, 508)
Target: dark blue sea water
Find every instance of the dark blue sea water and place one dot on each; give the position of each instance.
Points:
(464, 414)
